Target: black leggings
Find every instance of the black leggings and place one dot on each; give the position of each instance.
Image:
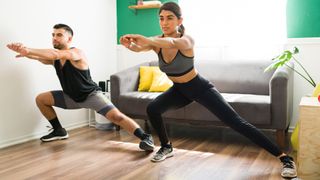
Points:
(201, 91)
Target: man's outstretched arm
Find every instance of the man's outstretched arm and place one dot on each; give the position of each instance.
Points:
(43, 61)
(46, 54)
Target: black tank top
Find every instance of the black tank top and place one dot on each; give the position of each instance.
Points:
(75, 82)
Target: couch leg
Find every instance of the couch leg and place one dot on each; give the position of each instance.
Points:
(280, 137)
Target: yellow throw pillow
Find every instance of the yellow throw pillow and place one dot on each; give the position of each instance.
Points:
(160, 81)
(146, 74)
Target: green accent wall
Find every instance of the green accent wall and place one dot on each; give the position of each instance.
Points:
(142, 21)
(303, 18)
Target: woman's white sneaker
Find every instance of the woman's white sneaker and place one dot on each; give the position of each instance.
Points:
(288, 167)
(162, 154)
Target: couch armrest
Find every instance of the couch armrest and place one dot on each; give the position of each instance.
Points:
(124, 81)
(281, 91)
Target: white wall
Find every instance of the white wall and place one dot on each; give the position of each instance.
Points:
(224, 22)
(30, 22)
(127, 58)
(309, 56)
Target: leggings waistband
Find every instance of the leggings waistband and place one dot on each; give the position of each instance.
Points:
(193, 87)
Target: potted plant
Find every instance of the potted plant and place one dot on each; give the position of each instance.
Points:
(282, 60)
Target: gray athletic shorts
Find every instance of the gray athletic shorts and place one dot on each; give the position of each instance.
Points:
(95, 100)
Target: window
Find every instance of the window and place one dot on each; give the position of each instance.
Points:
(236, 23)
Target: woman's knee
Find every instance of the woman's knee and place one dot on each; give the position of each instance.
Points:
(152, 109)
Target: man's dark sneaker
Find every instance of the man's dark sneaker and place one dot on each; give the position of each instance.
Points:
(162, 154)
(147, 143)
(288, 167)
(56, 134)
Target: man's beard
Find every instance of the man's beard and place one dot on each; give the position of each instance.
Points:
(58, 46)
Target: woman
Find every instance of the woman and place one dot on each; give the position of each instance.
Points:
(175, 50)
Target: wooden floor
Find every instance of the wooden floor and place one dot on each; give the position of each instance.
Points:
(93, 154)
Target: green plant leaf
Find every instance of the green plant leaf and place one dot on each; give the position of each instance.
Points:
(295, 50)
(286, 56)
(279, 60)
(289, 56)
(283, 56)
(274, 65)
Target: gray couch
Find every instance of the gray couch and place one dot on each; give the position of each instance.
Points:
(263, 99)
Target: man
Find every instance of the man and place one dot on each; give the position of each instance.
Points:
(78, 89)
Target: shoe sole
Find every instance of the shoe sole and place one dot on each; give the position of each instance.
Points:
(286, 177)
(164, 157)
(145, 146)
(55, 138)
(290, 175)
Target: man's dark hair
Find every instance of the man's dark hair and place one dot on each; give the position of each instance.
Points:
(65, 27)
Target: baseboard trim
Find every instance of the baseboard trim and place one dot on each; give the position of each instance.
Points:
(291, 128)
(33, 136)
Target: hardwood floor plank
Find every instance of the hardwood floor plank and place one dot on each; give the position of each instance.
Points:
(92, 154)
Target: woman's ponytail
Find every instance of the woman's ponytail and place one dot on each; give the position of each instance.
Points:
(181, 29)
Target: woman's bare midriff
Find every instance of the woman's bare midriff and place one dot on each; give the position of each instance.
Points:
(184, 78)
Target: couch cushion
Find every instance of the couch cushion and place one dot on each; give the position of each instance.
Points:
(254, 108)
(237, 77)
(245, 77)
(136, 103)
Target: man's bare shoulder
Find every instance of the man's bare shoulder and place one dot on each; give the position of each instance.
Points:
(76, 50)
